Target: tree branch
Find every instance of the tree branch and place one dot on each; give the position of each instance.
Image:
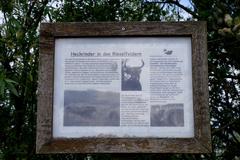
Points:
(176, 2)
(214, 131)
(188, 10)
(26, 21)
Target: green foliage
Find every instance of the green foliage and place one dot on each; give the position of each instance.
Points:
(6, 6)
(19, 36)
(7, 85)
(224, 75)
(18, 77)
(112, 10)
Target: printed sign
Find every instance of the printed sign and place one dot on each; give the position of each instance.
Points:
(123, 87)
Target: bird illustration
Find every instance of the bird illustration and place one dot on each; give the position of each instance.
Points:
(167, 52)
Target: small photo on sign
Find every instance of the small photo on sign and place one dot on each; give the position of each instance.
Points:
(131, 74)
(91, 108)
(167, 115)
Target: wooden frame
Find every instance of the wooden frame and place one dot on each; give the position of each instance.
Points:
(201, 143)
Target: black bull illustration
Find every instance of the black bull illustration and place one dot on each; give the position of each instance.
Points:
(131, 77)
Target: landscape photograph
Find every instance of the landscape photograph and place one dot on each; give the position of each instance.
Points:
(91, 108)
(167, 115)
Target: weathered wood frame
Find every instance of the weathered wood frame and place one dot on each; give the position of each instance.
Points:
(201, 143)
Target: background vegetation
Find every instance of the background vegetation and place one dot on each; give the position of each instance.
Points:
(19, 50)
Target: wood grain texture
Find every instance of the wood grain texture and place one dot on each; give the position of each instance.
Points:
(201, 143)
(200, 86)
(45, 88)
(122, 29)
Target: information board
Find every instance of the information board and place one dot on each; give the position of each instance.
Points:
(123, 88)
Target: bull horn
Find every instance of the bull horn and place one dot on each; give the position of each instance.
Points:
(141, 65)
(125, 63)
